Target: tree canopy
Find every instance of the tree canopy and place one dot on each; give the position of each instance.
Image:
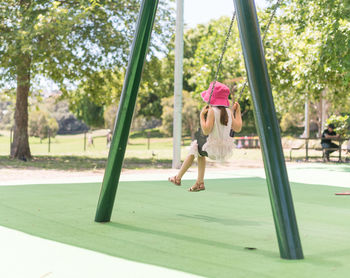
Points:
(83, 46)
(66, 42)
(308, 51)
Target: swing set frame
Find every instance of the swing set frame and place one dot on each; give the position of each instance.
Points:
(264, 113)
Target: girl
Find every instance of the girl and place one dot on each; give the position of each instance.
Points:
(217, 125)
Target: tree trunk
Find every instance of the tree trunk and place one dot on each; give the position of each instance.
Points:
(323, 112)
(20, 146)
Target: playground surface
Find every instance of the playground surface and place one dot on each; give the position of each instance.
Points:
(160, 230)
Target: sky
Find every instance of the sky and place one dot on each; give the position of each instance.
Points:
(202, 11)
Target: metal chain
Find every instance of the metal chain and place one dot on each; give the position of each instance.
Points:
(263, 40)
(222, 56)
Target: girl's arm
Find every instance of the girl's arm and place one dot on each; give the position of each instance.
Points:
(236, 118)
(207, 124)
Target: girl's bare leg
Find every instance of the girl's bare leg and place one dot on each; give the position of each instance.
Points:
(185, 165)
(201, 169)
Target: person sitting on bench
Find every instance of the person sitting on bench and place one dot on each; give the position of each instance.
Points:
(326, 142)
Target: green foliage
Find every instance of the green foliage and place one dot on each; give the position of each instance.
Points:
(6, 111)
(109, 116)
(59, 109)
(167, 116)
(341, 124)
(308, 51)
(205, 46)
(154, 86)
(289, 125)
(70, 40)
(287, 121)
(190, 115)
(41, 124)
(104, 86)
(90, 113)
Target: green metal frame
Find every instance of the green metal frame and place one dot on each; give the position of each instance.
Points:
(125, 110)
(268, 129)
(264, 112)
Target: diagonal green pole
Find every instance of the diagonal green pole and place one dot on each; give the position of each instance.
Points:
(125, 110)
(268, 129)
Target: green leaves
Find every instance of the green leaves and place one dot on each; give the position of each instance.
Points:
(341, 124)
(308, 51)
(204, 46)
(41, 125)
(70, 40)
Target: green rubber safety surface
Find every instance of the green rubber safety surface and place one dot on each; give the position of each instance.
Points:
(225, 231)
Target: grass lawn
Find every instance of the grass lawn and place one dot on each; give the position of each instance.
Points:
(204, 233)
(67, 153)
(73, 145)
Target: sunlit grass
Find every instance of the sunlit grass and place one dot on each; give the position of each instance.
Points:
(74, 145)
(67, 153)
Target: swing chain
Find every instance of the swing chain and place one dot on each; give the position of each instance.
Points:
(232, 133)
(263, 40)
(222, 55)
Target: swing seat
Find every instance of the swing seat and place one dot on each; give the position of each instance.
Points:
(201, 140)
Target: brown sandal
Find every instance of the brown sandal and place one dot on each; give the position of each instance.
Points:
(175, 180)
(197, 187)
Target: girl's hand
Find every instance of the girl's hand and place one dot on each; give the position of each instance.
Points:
(205, 110)
(236, 106)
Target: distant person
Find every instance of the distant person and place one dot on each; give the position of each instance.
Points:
(90, 140)
(327, 135)
(109, 139)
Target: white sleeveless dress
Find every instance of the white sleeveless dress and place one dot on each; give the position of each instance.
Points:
(219, 144)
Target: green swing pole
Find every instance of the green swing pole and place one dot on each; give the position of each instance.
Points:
(268, 130)
(125, 110)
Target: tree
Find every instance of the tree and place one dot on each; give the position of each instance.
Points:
(106, 87)
(6, 111)
(109, 116)
(341, 124)
(42, 125)
(66, 42)
(190, 115)
(90, 113)
(205, 47)
(307, 51)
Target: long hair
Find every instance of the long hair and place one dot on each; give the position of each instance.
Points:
(223, 115)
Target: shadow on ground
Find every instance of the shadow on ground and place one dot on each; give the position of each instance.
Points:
(77, 163)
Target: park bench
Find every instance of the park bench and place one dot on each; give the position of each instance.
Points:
(295, 147)
(316, 148)
(324, 151)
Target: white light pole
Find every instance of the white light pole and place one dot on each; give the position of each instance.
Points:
(307, 118)
(178, 84)
(323, 111)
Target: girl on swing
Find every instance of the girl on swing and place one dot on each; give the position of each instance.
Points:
(216, 121)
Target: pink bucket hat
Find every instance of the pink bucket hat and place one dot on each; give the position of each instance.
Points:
(220, 95)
